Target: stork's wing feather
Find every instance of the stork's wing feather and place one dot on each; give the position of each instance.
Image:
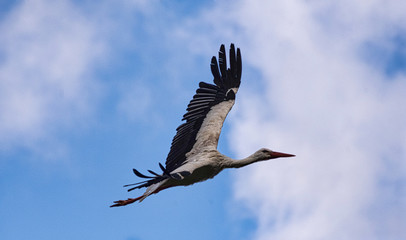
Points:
(207, 110)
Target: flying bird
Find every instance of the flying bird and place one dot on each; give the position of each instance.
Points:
(193, 156)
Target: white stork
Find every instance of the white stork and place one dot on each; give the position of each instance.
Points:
(193, 156)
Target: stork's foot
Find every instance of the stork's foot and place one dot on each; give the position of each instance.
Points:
(120, 203)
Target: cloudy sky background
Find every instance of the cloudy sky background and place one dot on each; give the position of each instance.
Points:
(88, 91)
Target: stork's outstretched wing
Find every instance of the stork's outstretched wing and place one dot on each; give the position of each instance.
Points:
(204, 118)
(207, 110)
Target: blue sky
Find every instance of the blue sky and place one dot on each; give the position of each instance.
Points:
(89, 91)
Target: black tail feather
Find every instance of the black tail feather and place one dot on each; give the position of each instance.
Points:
(150, 179)
(164, 170)
(154, 173)
(154, 179)
(142, 184)
(138, 183)
(138, 174)
(132, 189)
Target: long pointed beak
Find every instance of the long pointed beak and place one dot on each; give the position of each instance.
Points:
(279, 154)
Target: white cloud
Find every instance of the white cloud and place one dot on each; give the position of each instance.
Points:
(324, 101)
(47, 51)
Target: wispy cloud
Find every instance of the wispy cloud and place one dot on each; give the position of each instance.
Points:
(325, 101)
(60, 61)
(135, 101)
(48, 51)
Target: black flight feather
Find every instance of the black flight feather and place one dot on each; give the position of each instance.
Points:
(207, 96)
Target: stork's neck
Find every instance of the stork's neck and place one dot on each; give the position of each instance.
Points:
(233, 163)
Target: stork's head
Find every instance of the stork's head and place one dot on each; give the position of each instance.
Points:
(265, 154)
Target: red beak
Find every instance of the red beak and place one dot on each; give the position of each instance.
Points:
(279, 154)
